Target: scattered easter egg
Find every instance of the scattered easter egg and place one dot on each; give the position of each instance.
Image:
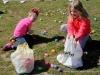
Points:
(55, 20)
(53, 50)
(42, 32)
(0, 17)
(56, 40)
(45, 31)
(52, 14)
(46, 63)
(60, 69)
(4, 11)
(95, 19)
(12, 40)
(39, 68)
(52, 65)
(41, 19)
(60, 21)
(46, 54)
(46, 14)
(64, 40)
(64, 13)
(93, 31)
(55, 66)
(57, 10)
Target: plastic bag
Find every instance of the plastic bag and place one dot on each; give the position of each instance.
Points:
(72, 56)
(23, 59)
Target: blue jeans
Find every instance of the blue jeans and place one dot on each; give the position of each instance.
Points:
(20, 40)
(82, 41)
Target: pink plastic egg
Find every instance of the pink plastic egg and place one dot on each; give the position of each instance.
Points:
(52, 65)
(46, 54)
(46, 63)
(45, 31)
(64, 40)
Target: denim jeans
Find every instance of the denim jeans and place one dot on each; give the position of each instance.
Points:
(20, 40)
(82, 41)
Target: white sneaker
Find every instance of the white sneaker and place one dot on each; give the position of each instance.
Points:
(22, 1)
(70, 0)
(5, 1)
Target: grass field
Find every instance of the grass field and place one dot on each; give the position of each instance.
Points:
(15, 11)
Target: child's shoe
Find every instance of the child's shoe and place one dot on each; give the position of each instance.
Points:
(22, 1)
(7, 46)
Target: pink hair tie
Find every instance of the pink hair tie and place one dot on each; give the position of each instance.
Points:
(35, 11)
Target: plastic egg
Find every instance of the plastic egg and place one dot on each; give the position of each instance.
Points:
(52, 14)
(46, 63)
(39, 68)
(55, 20)
(4, 10)
(55, 66)
(0, 17)
(46, 54)
(53, 50)
(46, 14)
(60, 69)
(95, 19)
(41, 19)
(12, 40)
(45, 31)
(42, 32)
(93, 31)
(52, 65)
(63, 13)
(60, 21)
(64, 40)
(56, 40)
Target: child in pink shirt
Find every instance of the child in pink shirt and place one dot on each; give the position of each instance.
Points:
(22, 28)
(78, 24)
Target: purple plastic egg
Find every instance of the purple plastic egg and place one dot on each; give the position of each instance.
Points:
(60, 69)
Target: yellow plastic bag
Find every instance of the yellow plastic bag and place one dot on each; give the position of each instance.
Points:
(23, 59)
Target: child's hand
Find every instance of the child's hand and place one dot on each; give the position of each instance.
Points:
(31, 32)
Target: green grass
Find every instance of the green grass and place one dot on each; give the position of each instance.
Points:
(45, 43)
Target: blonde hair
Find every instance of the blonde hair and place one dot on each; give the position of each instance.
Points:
(77, 5)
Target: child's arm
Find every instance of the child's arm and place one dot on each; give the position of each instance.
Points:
(30, 31)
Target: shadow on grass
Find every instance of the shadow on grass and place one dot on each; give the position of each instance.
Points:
(38, 63)
(36, 39)
(91, 54)
(1, 12)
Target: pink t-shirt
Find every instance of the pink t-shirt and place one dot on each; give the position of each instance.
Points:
(79, 28)
(22, 27)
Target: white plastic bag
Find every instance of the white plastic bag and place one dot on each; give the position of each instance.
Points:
(23, 59)
(72, 56)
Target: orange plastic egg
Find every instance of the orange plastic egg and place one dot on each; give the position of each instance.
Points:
(12, 40)
(53, 50)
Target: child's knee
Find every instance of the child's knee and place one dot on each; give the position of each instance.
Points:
(63, 27)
